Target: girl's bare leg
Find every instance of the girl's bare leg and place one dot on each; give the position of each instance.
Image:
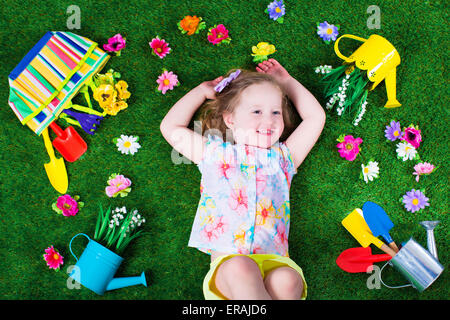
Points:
(284, 283)
(239, 278)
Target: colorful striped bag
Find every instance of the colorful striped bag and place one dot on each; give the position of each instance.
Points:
(50, 75)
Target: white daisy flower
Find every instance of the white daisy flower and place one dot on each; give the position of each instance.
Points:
(406, 151)
(370, 171)
(128, 144)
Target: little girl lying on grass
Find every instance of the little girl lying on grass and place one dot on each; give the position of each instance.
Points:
(243, 216)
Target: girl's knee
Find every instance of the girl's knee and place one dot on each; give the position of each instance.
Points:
(240, 278)
(240, 267)
(285, 282)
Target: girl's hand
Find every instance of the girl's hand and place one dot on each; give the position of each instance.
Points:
(208, 87)
(275, 69)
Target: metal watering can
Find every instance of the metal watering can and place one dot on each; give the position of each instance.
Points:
(419, 266)
(379, 57)
(97, 266)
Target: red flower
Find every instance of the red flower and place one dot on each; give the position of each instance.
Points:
(218, 34)
(412, 136)
(53, 258)
(160, 47)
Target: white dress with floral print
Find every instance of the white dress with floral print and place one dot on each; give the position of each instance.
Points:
(244, 203)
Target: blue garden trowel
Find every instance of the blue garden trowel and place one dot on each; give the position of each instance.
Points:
(378, 222)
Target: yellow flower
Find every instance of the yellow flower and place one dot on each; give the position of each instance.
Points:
(106, 78)
(115, 107)
(265, 213)
(105, 95)
(263, 49)
(239, 237)
(121, 87)
(209, 219)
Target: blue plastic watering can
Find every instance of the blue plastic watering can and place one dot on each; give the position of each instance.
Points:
(97, 266)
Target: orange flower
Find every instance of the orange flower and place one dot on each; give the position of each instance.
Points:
(191, 25)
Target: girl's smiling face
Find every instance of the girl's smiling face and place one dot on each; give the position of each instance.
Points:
(257, 119)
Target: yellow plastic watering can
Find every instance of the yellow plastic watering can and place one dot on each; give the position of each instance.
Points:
(379, 57)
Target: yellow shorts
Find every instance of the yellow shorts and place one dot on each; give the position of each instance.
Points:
(265, 262)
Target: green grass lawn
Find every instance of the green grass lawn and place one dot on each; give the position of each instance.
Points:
(325, 189)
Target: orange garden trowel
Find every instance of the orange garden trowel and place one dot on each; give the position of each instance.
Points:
(358, 228)
(68, 142)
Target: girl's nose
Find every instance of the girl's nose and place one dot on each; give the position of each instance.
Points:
(267, 121)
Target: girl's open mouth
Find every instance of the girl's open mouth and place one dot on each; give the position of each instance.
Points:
(265, 132)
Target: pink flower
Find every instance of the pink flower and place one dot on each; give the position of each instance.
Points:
(423, 168)
(209, 233)
(53, 258)
(160, 47)
(238, 201)
(218, 34)
(349, 148)
(166, 81)
(68, 205)
(281, 238)
(220, 224)
(255, 247)
(118, 184)
(412, 136)
(261, 181)
(115, 44)
(226, 165)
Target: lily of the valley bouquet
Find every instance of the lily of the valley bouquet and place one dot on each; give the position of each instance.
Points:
(116, 228)
(346, 89)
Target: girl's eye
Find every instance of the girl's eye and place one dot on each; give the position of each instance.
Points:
(257, 111)
(277, 112)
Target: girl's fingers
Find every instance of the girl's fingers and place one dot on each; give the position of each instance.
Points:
(262, 65)
(259, 69)
(268, 63)
(216, 81)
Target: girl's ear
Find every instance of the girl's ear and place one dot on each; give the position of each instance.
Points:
(228, 119)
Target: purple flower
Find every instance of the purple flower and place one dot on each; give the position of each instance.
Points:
(327, 31)
(276, 9)
(393, 131)
(415, 200)
(226, 81)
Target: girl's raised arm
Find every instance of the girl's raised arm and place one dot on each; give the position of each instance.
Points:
(302, 140)
(174, 126)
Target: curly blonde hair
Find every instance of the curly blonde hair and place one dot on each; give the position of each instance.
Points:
(211, 113)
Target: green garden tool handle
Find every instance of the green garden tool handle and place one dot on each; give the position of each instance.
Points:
(85, 109)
